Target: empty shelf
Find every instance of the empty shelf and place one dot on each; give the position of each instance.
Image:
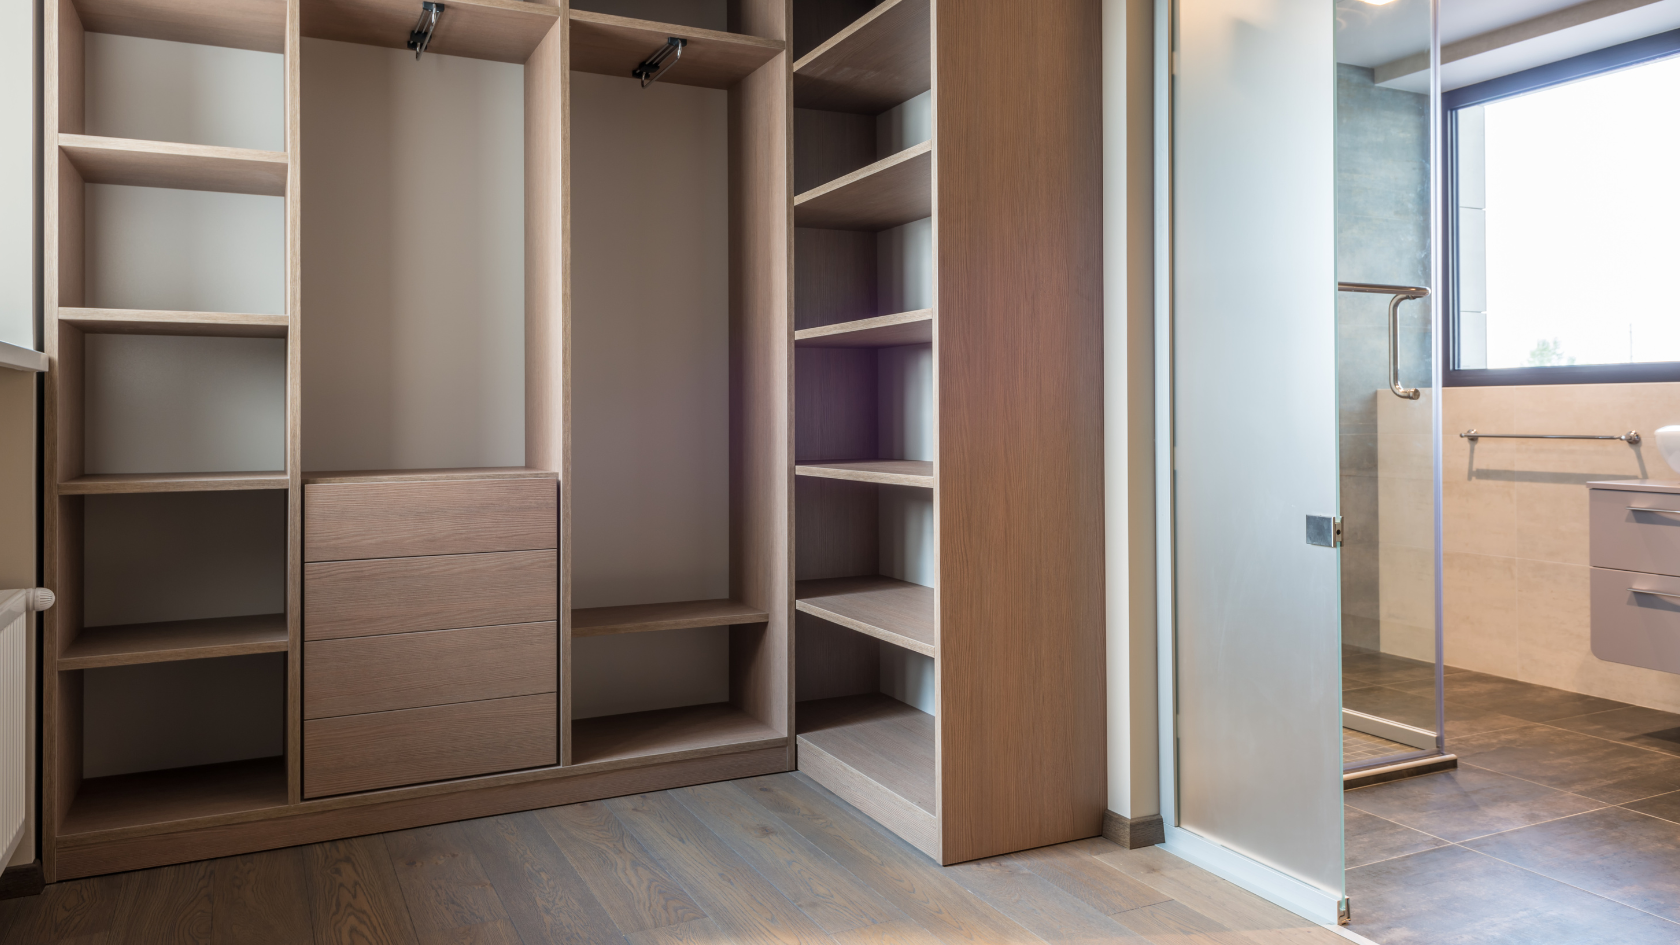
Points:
(896, 611)
(163, 797)
(237, 24)
(175, 640)
(890, 472)
(464, 474)
(122, 321)
(882, 331)
(129, 483)
(614, 45)
(179, 166)
(883, 740)
(891, 192)
(877, 62)
(498, 30)
(636, 618)
(697, 730)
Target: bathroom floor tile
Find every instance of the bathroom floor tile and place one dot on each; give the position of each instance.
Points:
(1418, 708)
(1385, 669)
(1467, 802)
(1580, 764)
(1454, 896)
(1371, 839)
(1619, 854)
(1666, 806)
(1636, 725)
(1518, 699)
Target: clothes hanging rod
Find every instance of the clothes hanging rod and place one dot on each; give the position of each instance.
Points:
(1631, 437)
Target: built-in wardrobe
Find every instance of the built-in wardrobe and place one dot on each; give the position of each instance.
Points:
(471, 407)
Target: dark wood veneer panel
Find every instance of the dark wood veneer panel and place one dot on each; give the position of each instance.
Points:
(398, 595)
(433, 667)
(345, 521)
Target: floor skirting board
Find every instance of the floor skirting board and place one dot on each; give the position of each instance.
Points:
(17, 882)
(1133, 833)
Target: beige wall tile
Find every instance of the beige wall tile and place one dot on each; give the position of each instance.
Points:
(1406, 512)
(1404, 416)
(1479, 517)
(1551, 522)
(1479, 601)
(1408, 585)
(1554, 616)
(1412, 642)
(1361, 583)
(1485, 408)
(1405, 455)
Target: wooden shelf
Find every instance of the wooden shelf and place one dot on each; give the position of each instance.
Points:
(464, 474)
(678, 615)
(498, 30)
(885, 741)
(891, 192)
(162, 797)
(877, 62)
(614, 45)
(175, 640)
(887, 472)
(177, 166)
(882, 331)
(122, 321)
(237, 24)
(896, 611)
(690, 730)
(132, 483)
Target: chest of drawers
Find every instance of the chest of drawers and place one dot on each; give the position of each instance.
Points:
(1635, 554)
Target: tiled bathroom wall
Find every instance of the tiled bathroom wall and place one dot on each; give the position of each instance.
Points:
(1515, 530)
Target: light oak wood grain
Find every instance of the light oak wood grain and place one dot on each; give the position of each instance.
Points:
(547, 75)
(397, 595)
(827, 145)
(893, 191)
(884, 740)
(171, 641)
(383, 749)
(239, 24)
(832, 661)
(880, 60)
(881, 331)
(896, 611)
(445, 888)
(839, 528)
(836, 277)
(114, 321)
(294, 400)
(177, 166)
(665, 732)
(836, 404)
(128, 483)
(462, 474)
(676, 615)
(498, 30)
(176, 794)
(343, 521)
(614, 45)
(431, 667)
(546, 898)
(630, 884)
(892, 472)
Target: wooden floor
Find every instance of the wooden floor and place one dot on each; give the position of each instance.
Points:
(773, 860)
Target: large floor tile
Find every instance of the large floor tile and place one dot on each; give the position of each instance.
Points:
(1580, 764)
(1518, 699)
(1467, 802)
(1418, 708)
(1455, 896)
(1618, 854)
(1666, 806)
(1371, 839)
(1385, 669)
(1636, 725)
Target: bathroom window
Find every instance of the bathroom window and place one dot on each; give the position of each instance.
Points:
(1565, 237)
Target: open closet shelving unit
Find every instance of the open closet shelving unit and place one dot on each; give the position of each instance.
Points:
(428, 620)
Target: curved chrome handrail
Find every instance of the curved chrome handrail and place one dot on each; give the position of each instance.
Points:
(1401, 293)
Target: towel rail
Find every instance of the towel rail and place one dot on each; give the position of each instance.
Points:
(1631, 437)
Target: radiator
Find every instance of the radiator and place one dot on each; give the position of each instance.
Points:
(16, 608)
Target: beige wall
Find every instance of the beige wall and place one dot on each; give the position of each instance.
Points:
(1515, 514)
(1405, 536)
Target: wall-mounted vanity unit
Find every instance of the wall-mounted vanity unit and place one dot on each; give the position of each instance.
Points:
(486, 455)
(1635, 535)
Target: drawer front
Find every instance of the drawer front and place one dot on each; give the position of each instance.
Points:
(1630, 540)
(398, 595)
(412, 746)
(344, 521)
(433, 667)
(1635, 628)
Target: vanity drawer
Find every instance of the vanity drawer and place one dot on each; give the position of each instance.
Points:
(432, 667)
(1627, 539)
(1640, 629)
(399, 595)
(343, 521)
(413, 746)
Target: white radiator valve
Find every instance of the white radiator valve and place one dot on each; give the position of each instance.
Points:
(38, 599)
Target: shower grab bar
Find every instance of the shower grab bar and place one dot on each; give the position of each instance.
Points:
(1401, 293)
(1641, 590)
(1631, 437)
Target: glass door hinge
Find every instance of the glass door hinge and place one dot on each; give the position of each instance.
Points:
(1344, 911)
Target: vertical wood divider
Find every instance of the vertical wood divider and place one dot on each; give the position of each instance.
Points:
(294, 403)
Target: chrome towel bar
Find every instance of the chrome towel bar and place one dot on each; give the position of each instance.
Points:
(1401, 293)
(1631, 437)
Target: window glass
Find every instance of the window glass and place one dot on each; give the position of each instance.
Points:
(1569, 223)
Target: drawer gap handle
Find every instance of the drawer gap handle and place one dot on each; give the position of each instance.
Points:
(1641, 590)
(1636, 508)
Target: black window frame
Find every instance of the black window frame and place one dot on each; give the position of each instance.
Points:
(1598, 62)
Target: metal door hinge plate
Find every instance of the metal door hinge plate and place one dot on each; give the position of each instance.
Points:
(1324, 530)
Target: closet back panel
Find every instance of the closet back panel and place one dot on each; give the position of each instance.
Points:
(156, 90)
(171, 715)
(639, 672)
(650, 342)
(183, 250)
(413, 260)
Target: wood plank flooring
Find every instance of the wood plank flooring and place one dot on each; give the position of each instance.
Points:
(775, 860)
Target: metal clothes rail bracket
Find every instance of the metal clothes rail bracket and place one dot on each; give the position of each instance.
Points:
(655, 65)
(421, 36)
(1631, 437)
(1401, 293)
